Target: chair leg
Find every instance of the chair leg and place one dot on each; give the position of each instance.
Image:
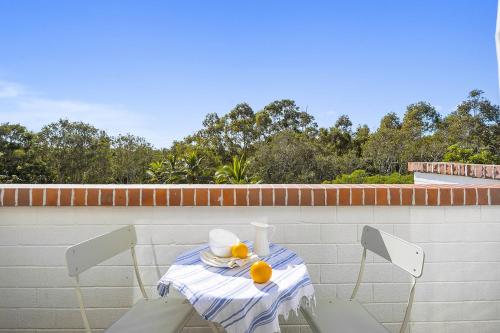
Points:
(184, 323)
(310, 321)
(213, 327)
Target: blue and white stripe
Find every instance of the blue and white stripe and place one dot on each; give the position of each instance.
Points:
(229, 297)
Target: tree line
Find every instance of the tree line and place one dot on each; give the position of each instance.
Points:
(279, 144)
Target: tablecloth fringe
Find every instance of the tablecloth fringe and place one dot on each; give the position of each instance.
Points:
(306, 295)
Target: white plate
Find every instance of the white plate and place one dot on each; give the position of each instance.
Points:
(210, 259)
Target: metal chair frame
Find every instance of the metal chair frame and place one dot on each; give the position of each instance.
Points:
(399, 252)
(87, 254)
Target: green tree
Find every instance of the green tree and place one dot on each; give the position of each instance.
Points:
(167, 171)
(282, 142)
(362, 177)
(240, 129)
(286, 115)
(235, 173)
(174, 170)
(390, 121)
(75, 152)
(360, 137)
(338, 139)
(474, 124)
(421, 119)
(484, 157)
(19, 159)
(157, 172)
(288, 157)
(383, 150)
(192, 171)
(457, 153)
(130, 157)
(418, 132)
(211, 137)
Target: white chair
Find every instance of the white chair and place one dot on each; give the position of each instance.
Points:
(331, 316)
(147, 315)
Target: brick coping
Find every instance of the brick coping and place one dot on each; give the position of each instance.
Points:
(200, 195)
(486, 171)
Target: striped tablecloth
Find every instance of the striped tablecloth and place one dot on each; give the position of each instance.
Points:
(229, 297)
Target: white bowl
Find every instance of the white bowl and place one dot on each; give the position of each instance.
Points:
(221, 241)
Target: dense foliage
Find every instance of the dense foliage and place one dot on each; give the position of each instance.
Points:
(279, 144)
(362, 177)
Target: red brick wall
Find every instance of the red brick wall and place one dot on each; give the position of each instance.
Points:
(249, 195)
(487, 171)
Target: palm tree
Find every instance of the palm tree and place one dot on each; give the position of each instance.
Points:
(235, 173)
(155, 172)
(192, 167)
(167, 171)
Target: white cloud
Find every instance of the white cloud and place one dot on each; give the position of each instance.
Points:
(72, 109)
(10, 89)
(20, 105)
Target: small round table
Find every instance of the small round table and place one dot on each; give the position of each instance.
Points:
(229, 297)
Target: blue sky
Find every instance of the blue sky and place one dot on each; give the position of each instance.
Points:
(155, 68)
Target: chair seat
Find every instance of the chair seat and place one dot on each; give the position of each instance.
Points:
(332, 316)
(153, 316)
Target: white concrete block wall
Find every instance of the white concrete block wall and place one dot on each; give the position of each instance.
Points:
(459, 290)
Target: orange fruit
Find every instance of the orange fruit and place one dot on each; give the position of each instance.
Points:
(239, 250)
(261, 272)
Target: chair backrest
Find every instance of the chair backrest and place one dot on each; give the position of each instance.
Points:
(85, 255)
(401, 253)
(89, 253)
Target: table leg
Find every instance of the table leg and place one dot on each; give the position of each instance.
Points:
(213, 327)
